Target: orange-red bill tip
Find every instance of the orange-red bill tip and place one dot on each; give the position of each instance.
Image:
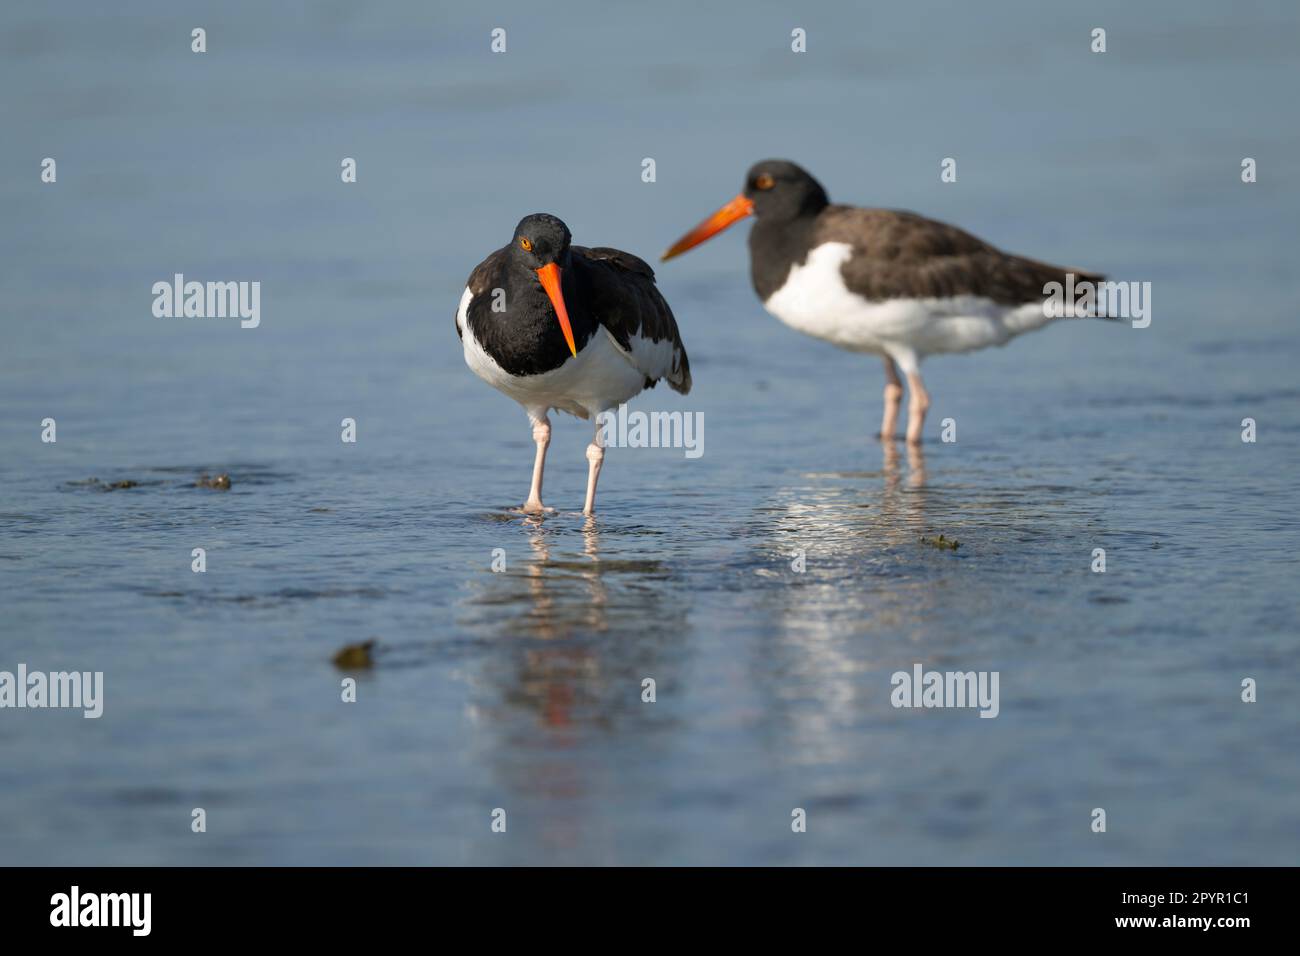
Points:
(732, 212)
(549, 275)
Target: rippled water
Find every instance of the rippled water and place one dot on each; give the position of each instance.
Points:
(522, 689)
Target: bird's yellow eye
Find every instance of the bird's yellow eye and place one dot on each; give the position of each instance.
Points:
(764, 181)
(525, 244)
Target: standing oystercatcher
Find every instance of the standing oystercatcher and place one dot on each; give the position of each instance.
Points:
(882, 281)
(558, 326)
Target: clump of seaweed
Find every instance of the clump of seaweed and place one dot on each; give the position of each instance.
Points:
(942, 543)
(355, 656)
(105, 485)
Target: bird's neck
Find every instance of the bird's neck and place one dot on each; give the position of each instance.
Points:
(777, 246)
(525, 338)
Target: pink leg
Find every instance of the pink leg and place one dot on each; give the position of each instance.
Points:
(918, 403)
(541, 435)
(893, 399)
(595, 455)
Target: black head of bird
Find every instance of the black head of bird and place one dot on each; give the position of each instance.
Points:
(541, 245)
(775, 190)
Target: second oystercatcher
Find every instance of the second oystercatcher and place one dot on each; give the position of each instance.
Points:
(881, 281)
(558, 326)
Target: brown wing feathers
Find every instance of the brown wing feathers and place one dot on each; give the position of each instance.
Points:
(903, 255)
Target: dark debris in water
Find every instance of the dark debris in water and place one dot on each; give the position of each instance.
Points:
(355, 656)
(220, 482)
(268, 599)
(942, 543)
(98, 485)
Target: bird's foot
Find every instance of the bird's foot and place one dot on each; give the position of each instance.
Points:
(531, 507)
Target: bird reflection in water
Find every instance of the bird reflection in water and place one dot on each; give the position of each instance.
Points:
(569, 633)
(575, 629)
(833, 624)
(916, 474)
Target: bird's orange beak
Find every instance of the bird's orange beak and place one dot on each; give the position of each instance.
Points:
(549, 275)
(732, 212)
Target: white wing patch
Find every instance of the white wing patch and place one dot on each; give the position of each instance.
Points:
(654, 360)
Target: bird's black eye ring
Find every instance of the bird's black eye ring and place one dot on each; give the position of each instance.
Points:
(525, 244)
(764, 181)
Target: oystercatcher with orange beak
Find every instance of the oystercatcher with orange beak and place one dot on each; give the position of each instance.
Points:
(880, 281)
(558, 326)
